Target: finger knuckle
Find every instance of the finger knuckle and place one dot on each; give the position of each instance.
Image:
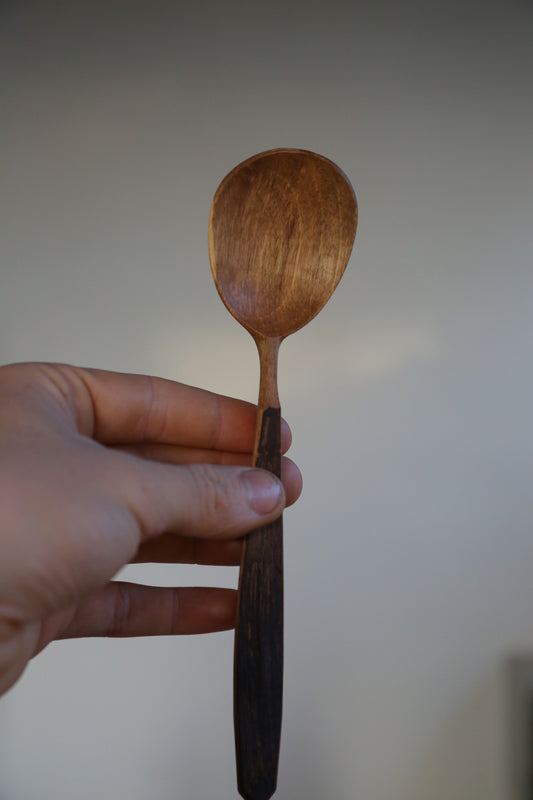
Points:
(212, 491)
(121, 611)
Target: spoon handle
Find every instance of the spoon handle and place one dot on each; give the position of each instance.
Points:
(258, 672)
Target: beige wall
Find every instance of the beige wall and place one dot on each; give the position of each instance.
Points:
(410, 555)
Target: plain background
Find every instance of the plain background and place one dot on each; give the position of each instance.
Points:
(409, 556)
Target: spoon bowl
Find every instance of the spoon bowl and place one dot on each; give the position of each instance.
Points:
(281, 231)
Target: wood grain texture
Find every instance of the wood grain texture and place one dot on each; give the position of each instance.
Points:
(258, 674)
(281, 230)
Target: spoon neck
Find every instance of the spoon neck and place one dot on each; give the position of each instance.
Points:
(268, 349)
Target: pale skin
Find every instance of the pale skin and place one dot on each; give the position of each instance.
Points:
(101, 469)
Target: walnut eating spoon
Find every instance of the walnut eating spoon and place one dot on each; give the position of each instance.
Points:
(281, 231)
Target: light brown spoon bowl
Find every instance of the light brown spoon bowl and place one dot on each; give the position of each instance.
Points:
(281, 231)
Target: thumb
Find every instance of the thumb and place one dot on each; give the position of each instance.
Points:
(204, 500)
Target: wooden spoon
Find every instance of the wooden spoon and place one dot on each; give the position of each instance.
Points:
(281, 231)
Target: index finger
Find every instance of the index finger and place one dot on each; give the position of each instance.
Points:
(128, 409)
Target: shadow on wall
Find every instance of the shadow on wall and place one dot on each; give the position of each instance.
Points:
(468, 750)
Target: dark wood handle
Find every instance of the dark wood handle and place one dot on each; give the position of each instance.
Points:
(258, 674)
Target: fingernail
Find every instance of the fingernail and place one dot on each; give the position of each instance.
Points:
(263, 490)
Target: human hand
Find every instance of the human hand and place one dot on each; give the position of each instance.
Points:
(100, 469)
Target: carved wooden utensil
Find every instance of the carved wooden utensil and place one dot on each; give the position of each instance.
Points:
(281, 231)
